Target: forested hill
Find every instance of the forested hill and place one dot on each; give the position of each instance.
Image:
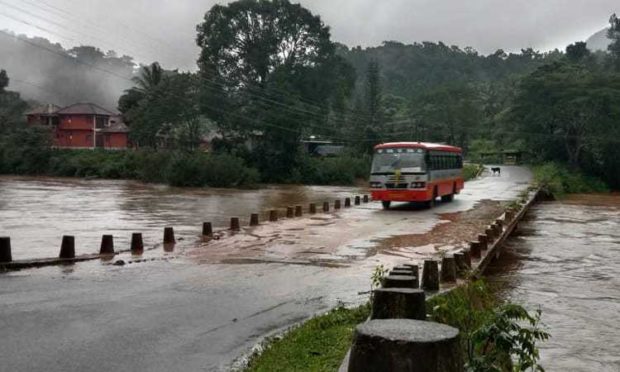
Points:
(411, 69)
(46, 72)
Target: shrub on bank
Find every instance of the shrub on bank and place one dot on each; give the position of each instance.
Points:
(339, 170)
(558, 180)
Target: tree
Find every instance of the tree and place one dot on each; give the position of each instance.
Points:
(374, 106)
(267, 70)
(167, 114)
(149, 78)
(614, 35)
(577, 52)
(563, 110)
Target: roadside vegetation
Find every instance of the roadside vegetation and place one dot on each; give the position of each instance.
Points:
(471, 171)
(495, 336)
(558, 180)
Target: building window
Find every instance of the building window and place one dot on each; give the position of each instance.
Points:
(100, 122)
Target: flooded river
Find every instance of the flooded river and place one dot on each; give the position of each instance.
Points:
(566, 260)
(36, 212)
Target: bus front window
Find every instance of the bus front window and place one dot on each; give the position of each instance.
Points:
(404, 160)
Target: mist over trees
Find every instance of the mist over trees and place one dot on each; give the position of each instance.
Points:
(48, 73)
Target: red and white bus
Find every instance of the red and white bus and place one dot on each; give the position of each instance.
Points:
(416, 172)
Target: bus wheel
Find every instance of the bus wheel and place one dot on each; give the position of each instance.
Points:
(386, 204)
(447, 198)
(431, 203)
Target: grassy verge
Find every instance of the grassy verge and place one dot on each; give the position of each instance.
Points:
(470, 171)
(319, 344)
(495, 336)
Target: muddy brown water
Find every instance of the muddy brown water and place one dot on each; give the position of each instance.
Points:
(36, 212)
(565, 260)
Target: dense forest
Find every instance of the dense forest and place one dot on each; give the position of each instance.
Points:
(269, 76)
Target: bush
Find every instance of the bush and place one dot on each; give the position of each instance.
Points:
(557, 180)
(340, 170)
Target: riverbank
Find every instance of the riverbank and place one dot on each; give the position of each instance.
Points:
(191, 169)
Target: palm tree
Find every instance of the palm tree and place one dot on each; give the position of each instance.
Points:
(150, 77)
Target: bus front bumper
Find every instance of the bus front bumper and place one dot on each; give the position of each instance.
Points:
(401, 195)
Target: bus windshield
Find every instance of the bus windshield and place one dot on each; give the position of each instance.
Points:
(403, 159)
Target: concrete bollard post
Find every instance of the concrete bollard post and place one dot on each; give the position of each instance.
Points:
(461, 266)
(290, 213)
(414, 268)
(326, 207)
(347, 202)
(5, 249)
(254, 219)
(299, 211)
(337, 204)
(475, 249)
(358, 200)
(67, 247)
(499, 228)
(312, 208)
(366, 199)
(499, 222)
(207, 229)
(467, 256)
(234, 224)
(401, 272)
(107, 245)
(430, 275)
(398, 303)
(405, 345)
(137, 245)
(483, 239)
(400, 281)
(448, 270)
(490, 233)
(169, 235)
(273, 215)
(508, 216)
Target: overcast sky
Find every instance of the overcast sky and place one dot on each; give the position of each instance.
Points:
(164, 30)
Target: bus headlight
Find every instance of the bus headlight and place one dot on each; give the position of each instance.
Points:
(375, 185)
(418, 185)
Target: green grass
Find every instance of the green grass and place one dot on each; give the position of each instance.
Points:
(470, 171)
(319, 344)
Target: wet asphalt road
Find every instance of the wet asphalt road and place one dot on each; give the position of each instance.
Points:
(182, 315)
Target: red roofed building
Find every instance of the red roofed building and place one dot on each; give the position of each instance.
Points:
(82, 126)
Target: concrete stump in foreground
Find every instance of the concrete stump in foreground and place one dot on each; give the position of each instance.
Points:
(475, 249)
(299, 211)
(400, 281)
(398, 303)
(430, 275)
(405, 345)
